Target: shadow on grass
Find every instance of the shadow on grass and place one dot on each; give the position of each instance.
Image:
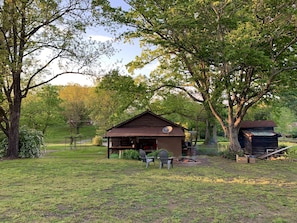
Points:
(212, 150)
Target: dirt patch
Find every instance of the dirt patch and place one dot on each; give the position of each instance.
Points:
(199, 160)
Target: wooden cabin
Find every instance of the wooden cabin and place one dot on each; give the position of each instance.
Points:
(146, 131)
(258, 137)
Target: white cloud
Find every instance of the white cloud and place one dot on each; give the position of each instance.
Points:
(66, 79)
(100, 38)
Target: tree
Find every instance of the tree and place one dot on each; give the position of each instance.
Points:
(42, 108)
(234, 53)
(288, 97)
(74, 102)
(40, 40)
(119, 97)
(179, 108)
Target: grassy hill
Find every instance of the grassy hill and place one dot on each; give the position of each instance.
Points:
(58, 134)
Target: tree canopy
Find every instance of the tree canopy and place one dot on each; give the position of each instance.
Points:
(74, 102)
(42, 108)
(40, 40)
(119, 97)
(233, 53)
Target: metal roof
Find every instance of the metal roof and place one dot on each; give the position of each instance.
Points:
(257, 124)
(259, 133)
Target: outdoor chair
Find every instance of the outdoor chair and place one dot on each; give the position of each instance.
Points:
(145, 159)
(164, 159)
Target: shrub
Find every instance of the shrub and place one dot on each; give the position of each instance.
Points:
(292, 152)
(30, 144)
(229, 154)
(131, 154)
(97, 141)
(156, 153)
(3, 147)
(114, 156)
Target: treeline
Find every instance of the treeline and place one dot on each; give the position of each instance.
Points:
(116, 98)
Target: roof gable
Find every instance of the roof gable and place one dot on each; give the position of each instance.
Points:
(146, 119)
(146, 124)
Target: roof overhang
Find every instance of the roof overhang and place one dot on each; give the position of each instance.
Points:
(257, 124)
(144, 132)
(259, 133)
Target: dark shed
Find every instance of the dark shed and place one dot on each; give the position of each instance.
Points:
(255, 137)
(146, 131)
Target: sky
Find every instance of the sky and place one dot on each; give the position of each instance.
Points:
(126, 52)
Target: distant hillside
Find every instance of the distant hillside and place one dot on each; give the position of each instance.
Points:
(57, 134)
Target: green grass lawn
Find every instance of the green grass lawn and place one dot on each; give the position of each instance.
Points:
(82, 185)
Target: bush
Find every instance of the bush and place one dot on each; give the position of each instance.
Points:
(3, 147)
(292, 152)
(131, 154)
(97, 141)
(230, 154)
(156, 153)
(30, 144)
(114, 156)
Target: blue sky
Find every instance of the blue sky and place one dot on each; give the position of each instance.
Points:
(126, 53)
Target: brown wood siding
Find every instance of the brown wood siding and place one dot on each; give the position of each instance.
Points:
(171, 144)
(261, 144)
(145, 131)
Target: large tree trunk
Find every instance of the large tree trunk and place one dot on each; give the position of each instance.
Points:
(214, 134)
(13, 132)
(207, 133)
(231, 128)
(210, 134)
(233, 140)
(14, 119)
(13, 138)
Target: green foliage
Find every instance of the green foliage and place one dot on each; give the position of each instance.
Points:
(131, 154)
(3, 147)
(179, 108)
(292, 153)
(32, 55)
(230, 154)
(30, 144)
(97, 141)
(75, 99)
(57, 133)
(280, 220)
(284, 118)
(289, 97)
(234, 53)
(154, 154)
(114, 156)
(119, 97)
(42, 108)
